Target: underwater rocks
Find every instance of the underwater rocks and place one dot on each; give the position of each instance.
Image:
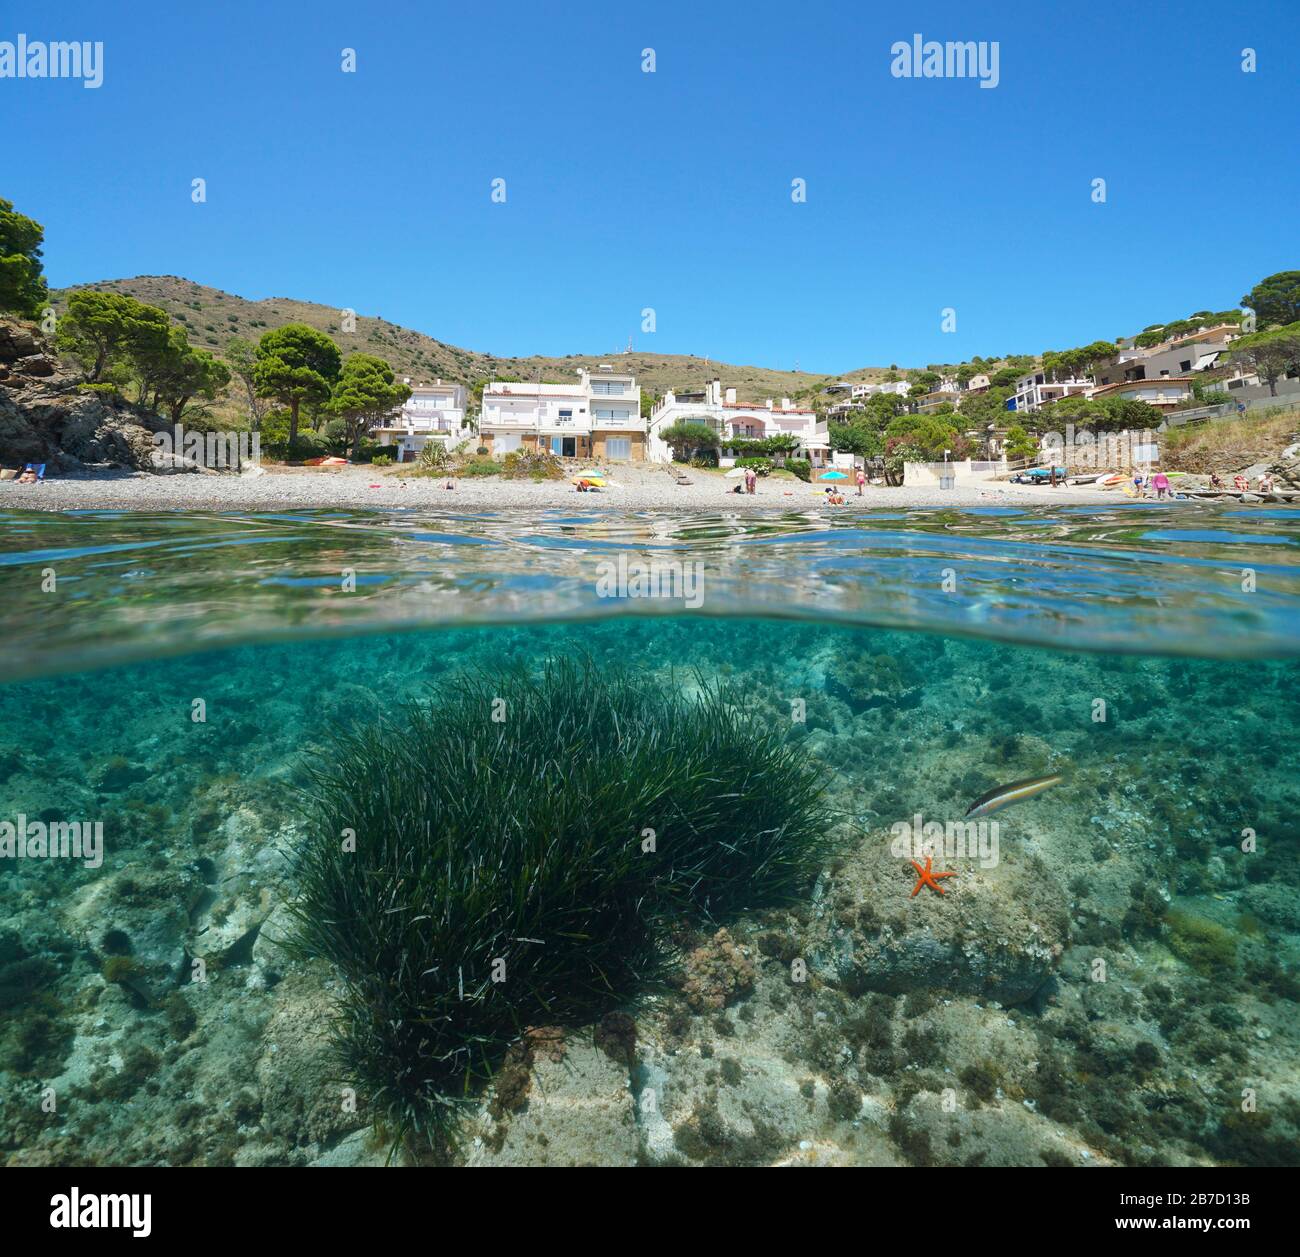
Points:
(868, 681)
(737, 1104)
(118, 773)
(931, 1132)
(137, 922)
(569, 1105)
(717, 973)
(1275, 903)
(303, 1100)
(995, 933)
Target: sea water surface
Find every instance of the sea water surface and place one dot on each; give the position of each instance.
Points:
(1118, 985)
(95, 587)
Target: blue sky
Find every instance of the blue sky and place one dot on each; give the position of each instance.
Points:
(672, 190)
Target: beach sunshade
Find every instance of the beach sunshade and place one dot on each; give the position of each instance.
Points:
(834, 475)
(735, 473)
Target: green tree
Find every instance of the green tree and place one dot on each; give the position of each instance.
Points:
(856, 437)
(1019, 443)
(1275, 299)
(1098, 352)
(188, 373)
(22, 286)
(366, 391)
(241, 354)
(103, 330)
(1102, 414)
(150, 351)
(1270, 354)
(686, 436)
(930, 435)
(978, 410)
(296, 364)
(880, 408)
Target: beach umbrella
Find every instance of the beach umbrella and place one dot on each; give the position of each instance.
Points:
(834, 475)
(735, 473)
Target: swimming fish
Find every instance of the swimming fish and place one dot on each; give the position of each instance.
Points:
(1000, 796)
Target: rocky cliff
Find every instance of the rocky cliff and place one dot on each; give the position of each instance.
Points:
(46, 416)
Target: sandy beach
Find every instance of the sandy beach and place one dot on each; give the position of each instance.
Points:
(632, 488)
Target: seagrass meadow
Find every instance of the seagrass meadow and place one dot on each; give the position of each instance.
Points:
(454, 862)
(518, 854)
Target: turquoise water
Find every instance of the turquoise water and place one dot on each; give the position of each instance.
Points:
(1115, 983)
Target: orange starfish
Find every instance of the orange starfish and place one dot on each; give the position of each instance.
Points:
(927, 878)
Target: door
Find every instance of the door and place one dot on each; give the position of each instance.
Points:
(618, 447)
(570, 446)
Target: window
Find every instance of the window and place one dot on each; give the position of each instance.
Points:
(618, 447)
(607, 388)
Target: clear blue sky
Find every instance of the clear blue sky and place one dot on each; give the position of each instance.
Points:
(672, 190)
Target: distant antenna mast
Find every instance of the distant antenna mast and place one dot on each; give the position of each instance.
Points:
(628, 350)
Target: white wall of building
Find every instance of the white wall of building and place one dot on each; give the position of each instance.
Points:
(732, 419)
(595, 400)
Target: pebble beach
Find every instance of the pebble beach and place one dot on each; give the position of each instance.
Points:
(631, 488)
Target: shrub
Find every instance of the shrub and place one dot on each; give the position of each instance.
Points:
(482, 449)
(761, 465)
(434, 457)
(382, 460)
(801, 468)
(481, 467)
(687, 437)
(521, 843)
(537, 464)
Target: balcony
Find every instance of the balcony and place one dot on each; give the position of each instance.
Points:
(632, 423)
(426, 421)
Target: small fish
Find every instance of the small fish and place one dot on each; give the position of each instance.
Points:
(1000, 796)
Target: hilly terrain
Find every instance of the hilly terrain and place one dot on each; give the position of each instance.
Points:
(211, 317)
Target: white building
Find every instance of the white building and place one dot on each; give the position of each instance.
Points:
(899, 388)
(597, 416)
(1163, 393)
(740, 420)
(433, 412)
(1035, 389)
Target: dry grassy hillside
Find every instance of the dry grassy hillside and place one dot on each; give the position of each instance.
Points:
(1230, 445)
(212, 317)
